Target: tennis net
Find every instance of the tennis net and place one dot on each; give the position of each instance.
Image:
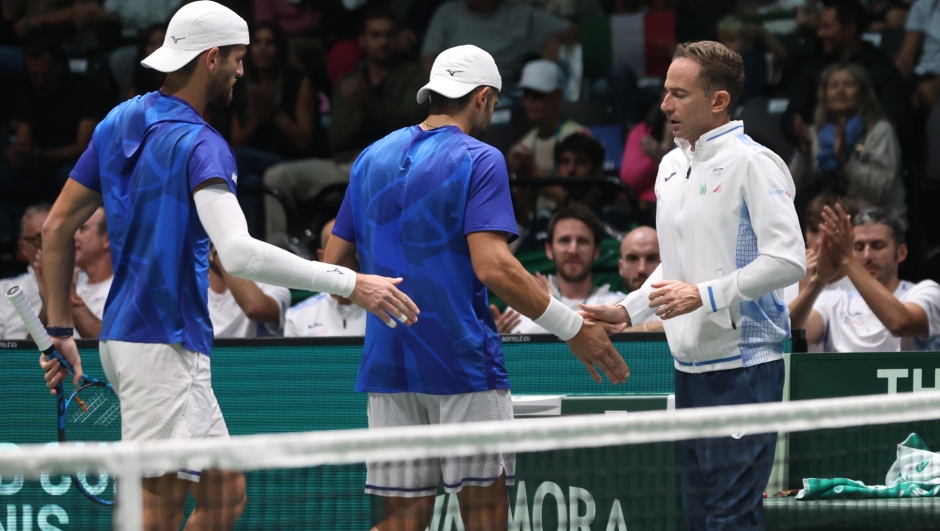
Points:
(608, 472)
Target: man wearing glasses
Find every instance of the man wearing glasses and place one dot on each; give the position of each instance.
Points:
(29, 244)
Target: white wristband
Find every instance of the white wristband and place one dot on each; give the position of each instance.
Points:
(560, 320)
(337, 279)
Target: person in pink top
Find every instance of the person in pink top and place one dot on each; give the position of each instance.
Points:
(646, 145)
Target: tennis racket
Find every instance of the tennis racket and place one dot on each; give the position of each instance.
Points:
(91, 413)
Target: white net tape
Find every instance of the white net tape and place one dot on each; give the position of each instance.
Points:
(309, 449)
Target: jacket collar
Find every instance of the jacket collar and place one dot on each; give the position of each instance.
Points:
(708, 142)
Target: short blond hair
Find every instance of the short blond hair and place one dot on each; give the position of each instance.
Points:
(719, 67)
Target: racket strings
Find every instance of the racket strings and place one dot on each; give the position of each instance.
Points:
(97, 416)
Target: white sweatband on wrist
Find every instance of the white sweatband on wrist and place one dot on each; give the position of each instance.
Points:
(246, 257)
(560, 320)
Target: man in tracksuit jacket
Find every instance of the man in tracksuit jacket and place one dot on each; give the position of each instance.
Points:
(730, 242)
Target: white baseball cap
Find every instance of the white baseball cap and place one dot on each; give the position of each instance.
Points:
(195, 28)
(541, 75)
(459, 70)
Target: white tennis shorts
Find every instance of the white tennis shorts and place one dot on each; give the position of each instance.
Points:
(165, 393)
(420, 478)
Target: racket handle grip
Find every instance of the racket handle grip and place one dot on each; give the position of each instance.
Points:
(17, 298)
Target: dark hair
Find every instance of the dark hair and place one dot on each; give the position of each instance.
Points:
(719, 67)
(376, 12)
(813, 215)
(849, 12)
(452, 106)
(581, 213)
(40, 43)
(189, 69)
(582, 143)
(281, 42)
(882, 216)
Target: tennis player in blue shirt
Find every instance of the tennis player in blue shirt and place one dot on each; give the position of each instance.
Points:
(430, 203)
(167, 181)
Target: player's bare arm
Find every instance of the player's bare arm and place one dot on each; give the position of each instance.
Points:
(374, 293)
(257, 305)
(73, 207)
(497, 268)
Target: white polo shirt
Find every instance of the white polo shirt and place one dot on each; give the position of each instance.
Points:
(230, 322)
(600, 295)
(94, 295)
(323, 316)
(851, 326)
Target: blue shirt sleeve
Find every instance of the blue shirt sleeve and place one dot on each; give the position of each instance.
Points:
(343, 226)
(212, 158)
(86, 169)
(489, 204)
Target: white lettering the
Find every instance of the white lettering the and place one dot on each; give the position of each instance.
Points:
(892, 376)
(919, 380)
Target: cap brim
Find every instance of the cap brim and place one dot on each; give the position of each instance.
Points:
(449, 88)
(167, 60)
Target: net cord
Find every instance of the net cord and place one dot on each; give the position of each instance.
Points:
(309, 449)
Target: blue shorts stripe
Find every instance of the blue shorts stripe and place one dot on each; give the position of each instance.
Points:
(709, 362)
(397, 489)
(465, 480)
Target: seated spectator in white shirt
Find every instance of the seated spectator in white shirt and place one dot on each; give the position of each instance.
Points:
(325, 315)
(886, 314)
(639, 257)
(574, 242)
(28, 245)
(93, 276)
(243, 309)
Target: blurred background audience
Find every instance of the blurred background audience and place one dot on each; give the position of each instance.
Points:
(845, 91)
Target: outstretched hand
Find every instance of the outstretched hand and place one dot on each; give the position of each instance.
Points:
(614, 315)
(380, 296)
(592, 347)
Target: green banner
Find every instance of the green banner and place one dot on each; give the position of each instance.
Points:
(273, 386)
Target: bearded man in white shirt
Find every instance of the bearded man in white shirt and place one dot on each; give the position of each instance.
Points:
(885, 314)
(730, 242)
(574, 243)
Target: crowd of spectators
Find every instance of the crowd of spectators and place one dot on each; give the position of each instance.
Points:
(847, 85)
